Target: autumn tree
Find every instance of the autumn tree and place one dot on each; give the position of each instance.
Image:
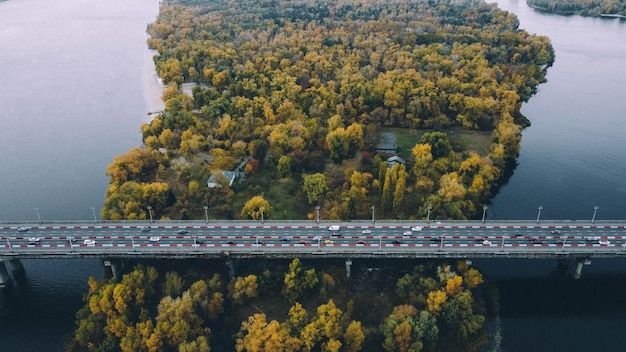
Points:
(256, 206)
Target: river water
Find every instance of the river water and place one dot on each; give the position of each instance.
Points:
(77, 87)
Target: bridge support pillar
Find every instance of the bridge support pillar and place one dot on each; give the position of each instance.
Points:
(230, 263)
(17, 268)
(348, 267)
(112, 267)
(576, 267)
(5, 279)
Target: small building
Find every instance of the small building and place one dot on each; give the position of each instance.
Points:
(391, 161)
(230, 177)
(387, 143)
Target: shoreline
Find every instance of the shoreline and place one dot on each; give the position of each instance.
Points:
(153, 88)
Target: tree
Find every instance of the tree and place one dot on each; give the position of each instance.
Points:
(314, 186)
(297, 281)
(255, 207)
(353, 337)
(439, 143)
(284, 166)
(242, 288)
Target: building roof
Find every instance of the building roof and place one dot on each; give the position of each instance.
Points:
(230, 176)
(387, 143)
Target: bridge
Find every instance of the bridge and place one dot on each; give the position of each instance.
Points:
(575, 241)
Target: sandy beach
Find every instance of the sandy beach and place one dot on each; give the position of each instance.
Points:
(153, 87)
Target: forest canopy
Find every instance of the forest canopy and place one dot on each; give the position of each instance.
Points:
(581, 7)
(292, 89)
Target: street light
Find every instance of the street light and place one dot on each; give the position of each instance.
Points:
(150, 212)
(38, 216)
(206, 213)
(540, 208)
(484, 211)
(93, 211)
(428, 216)
(595, 210)
(262, 208)
(317, 214)
(373, 218)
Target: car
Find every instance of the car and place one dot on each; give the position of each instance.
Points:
(438, 238)
(334, 228)
(335, 234)
(328, 242)
(486, 243)
(555, 232)
(416, 228)
(515, 235)
(303, 242)
(407, 233)
(604, 242)
(480, 238)
(592, 238)
(366, 232)
(231, 242)
(317, 238)
(182, 231)
(360, 242)
(396, 242)
(34, 240)
(154, 238)
(89, 242)
(22, 229)
(285, 239)
(146, 228)
(534, 240)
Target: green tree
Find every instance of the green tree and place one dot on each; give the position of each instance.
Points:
(314, 186)
(284, 166)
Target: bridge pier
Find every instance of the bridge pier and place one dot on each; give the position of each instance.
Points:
(230, 263)
(113, 268)
(348, 266)
(17, 268)
(576, 267)
(5, 279)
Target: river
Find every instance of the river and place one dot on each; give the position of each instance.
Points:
(75, 75)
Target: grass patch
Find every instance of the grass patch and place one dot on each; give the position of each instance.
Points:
(284, 194)
(461, 140)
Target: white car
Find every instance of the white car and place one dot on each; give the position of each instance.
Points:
(145, 228)
(89, 242)
(317, 238)
(334, 228)
(22, 229)
(486, 243)
(365, 232)
(604, 242)
(407, 233)
(33, 240)
(416, 228)
(154, 239)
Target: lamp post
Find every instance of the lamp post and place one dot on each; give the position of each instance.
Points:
(484, 212)
(428, 215)
(595, 210)
(38, 216)
(317, 214)
(206, 214)
(540, 208)
(262, 208)
(150, 212)
(93, 211)
(373, 218)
